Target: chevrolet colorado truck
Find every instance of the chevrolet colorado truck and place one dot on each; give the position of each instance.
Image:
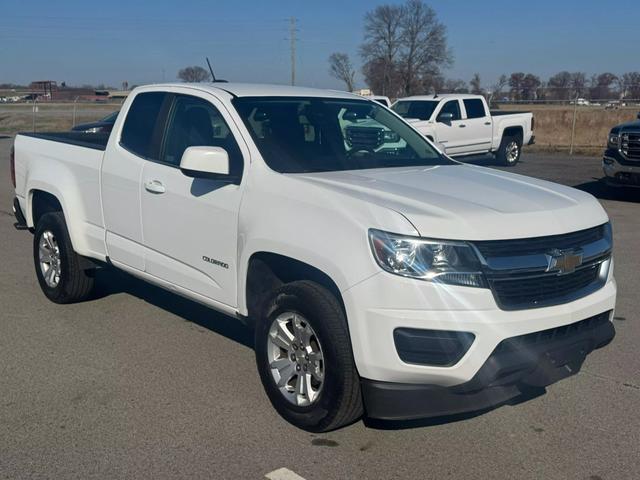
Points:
(380, 276)
(463, 125)
(621, 159)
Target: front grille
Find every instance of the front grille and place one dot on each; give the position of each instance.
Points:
(521, 274)
(526, 292)
(630, 145)
(364, 137)
(538, 245)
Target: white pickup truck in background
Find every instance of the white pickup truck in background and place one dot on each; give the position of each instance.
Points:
(381, 276)
(463, 125)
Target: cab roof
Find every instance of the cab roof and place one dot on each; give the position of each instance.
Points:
(442, 96)
(264, 90)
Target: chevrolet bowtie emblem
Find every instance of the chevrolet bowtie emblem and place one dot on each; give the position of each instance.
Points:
(563, 261)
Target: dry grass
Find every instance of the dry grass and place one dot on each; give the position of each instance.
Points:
(16, 117)
(553, 125)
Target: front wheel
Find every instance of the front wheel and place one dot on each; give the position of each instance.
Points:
(509, 152)
(58, 267)
(304, 358)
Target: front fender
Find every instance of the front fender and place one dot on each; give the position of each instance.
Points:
(324, 229)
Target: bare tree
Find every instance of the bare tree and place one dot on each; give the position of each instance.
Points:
(476, 85)
(560, 86)
(433, 83)
(630, 85)
(341, 68)
(516, 82)
(601, 86)
(578, 84)
(496, 88)
(194, 74)
(424, 48)
(404, 49)
(381, 47)
(530, 86)
(455, 86)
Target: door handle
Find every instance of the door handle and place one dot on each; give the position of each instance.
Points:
(154, 186)
(462, 125)
(487, 123)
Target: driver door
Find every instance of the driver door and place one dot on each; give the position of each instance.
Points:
(190, 225)
(451, 133)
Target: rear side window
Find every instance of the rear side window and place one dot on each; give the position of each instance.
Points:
(140, 124)
(474, 108)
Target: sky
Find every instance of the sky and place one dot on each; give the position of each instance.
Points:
(109, 42)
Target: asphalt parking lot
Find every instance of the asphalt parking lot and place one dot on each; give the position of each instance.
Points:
(139, 383)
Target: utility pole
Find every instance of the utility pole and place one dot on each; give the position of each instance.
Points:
(292, 39)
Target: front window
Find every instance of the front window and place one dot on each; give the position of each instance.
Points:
(452, 107)
(297, 135)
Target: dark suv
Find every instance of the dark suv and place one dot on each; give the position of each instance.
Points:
(621, 161)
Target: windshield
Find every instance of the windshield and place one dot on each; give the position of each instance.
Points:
(420, 109)
(296, 135)
(111, 118)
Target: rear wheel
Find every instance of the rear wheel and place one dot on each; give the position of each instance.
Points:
(509, 152)
(304, 358)
(58, 268)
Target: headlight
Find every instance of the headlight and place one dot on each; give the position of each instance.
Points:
(442, 261)
(390, 137)
(614, 140)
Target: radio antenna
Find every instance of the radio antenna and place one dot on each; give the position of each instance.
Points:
(213, 76)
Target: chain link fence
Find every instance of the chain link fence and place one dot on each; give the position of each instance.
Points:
(49, 116)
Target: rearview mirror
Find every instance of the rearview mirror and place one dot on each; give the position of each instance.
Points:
(445, 117)
(205, 162)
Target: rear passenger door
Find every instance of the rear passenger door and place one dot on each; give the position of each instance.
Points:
(478, 128)
(189, 224)
(138, 141)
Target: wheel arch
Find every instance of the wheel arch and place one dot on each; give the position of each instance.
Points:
(515, 131)
(266, 271)
(40, 203)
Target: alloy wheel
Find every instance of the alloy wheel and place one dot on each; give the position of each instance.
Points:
(49, 258)
(295, 358)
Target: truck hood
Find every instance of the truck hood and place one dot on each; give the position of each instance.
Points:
(466, 202)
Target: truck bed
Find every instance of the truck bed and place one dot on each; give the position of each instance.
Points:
(96, 141)
(499, 113)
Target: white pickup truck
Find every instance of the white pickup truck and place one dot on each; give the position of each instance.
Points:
(463, 125)
(380, 275)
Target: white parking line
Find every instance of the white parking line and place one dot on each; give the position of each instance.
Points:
(283, 474)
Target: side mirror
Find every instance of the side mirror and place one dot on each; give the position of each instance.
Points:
(445, 117)
(205, 162)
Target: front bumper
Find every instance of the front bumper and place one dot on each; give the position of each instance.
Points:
(618, 171)
(393, 388)
(534, 360)
(532, 140)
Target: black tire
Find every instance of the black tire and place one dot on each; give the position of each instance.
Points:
(75, 283)
(339, 401)
(503, 155)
